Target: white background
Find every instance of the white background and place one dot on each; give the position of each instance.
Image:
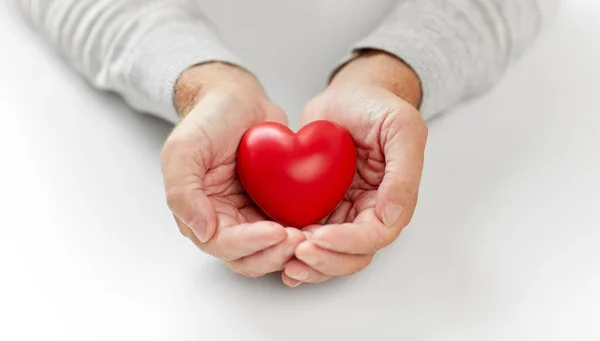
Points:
(505, 244)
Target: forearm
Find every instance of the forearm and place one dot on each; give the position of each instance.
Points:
(460, 48)
(137, 48)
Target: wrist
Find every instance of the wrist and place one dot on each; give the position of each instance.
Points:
(378, 68)
(204, 79)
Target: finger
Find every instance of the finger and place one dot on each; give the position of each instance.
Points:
(193, 209)
(290, 282)
(331, 263)
(403, 147)
(362, 238)
(301, 272)
(187, 232)
(270, 260)
(232, 243)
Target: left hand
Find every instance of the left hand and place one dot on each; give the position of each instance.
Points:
(375, 98)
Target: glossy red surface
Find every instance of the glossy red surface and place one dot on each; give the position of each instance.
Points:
(297, 179)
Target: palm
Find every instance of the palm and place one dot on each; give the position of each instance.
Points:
(204, 193)
(226, 193)
(217, 144)
(365, 121)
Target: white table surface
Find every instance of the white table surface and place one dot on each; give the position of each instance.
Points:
(505, 244)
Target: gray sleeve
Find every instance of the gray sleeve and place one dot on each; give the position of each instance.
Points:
(459, 48)
(136, 48)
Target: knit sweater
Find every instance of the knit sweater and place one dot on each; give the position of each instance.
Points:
(138, 48)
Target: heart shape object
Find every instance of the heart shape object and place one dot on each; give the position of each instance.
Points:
(297, 179)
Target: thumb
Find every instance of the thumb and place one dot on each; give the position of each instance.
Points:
(183, 177)
(194, 209)
(404, 149)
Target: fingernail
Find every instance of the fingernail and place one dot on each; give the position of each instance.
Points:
(295, 284)
(201, 231)
(391, 214)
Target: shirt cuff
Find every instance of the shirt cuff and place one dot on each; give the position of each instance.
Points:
(160, 56)
(421, 55)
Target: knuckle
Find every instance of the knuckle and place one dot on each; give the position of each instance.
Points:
(403, 116)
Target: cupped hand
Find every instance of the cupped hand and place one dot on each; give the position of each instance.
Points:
(218, 104)
(374, 98)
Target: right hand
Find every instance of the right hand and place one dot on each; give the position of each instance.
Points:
(218, 103)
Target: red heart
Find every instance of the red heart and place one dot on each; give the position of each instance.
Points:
(297, 179)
